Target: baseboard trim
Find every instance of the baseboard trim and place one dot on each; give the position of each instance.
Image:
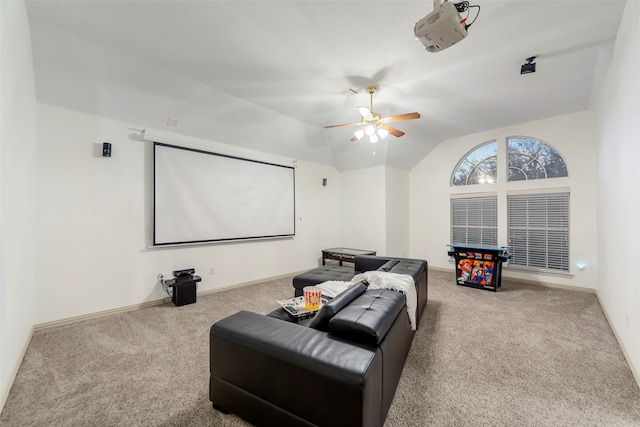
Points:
(164, 300)
(146, 304)
(550, 285)
(14, 372)
(249, 283)
(97, 314)
(626, 354)
(529, 282)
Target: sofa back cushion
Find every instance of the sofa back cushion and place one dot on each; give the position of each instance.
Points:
(413, 267)
(369, 317)
(364, 263)
(388, 265)
(326, 313)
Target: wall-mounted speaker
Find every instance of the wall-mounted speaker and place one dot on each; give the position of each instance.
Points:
(106, 149)
(324, 182)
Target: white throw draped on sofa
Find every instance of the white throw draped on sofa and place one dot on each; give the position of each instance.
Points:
(333, 288)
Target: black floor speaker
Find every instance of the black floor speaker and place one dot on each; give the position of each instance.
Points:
(184, 293)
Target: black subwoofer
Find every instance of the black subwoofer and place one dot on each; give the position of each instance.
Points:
(184, 293)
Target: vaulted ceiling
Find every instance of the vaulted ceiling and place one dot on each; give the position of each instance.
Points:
(269, 75)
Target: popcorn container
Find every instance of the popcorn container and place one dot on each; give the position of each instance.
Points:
(312, 297)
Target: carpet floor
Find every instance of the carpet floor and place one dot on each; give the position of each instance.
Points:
(526, 355)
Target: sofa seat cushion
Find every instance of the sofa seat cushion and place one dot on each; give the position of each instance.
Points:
(368, 318)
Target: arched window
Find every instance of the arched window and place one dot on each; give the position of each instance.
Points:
(537, 223)
(477, 167)
(530, 158)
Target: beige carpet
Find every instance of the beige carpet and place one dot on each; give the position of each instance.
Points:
(524, 356)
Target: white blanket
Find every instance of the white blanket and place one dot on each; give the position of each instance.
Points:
(397, 282)
(334, 287)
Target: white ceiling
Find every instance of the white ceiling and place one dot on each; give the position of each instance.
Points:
(266, 74)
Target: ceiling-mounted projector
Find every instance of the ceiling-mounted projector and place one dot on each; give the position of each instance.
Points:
(443, 27)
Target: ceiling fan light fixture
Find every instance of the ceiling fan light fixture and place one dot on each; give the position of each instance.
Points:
(373, 124)
(369, 130)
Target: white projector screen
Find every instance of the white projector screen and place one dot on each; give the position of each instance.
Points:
(200, 197)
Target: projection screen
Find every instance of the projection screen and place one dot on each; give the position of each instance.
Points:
(201, 197)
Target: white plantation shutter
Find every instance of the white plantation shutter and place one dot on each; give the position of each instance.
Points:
(474, 221)
(538, 230)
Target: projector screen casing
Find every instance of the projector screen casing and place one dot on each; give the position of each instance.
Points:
(201, 196)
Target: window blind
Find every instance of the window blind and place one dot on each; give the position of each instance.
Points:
(474, 221)
(538, 230)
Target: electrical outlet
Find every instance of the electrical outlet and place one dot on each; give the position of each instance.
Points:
(626, 319)
(212, 271)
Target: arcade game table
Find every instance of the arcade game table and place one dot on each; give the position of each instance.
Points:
(479, 266)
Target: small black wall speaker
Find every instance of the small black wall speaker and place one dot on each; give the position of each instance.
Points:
(106, 149)
(324, 182)
(529, 66)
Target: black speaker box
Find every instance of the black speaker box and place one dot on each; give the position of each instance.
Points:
(106, 149)
(184, 293)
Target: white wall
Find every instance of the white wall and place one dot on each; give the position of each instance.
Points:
(17, 176)
(93, 221)
(375, 213)
(573, 136)
(397, 212)
(363, 209)
(618, 194)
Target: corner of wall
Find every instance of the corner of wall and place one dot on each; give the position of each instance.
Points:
(17, 189)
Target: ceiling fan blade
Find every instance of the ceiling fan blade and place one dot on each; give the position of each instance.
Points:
(365, 113)
(393, 131)
(344, 124)
(401, 117)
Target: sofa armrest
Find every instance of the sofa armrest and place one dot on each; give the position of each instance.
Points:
(285, 364)
(326, 313)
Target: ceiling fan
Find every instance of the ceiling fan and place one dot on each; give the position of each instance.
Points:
(373, 124)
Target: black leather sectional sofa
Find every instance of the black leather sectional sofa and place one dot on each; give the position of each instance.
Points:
(340, 368)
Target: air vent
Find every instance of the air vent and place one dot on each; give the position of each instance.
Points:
(347, 92)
